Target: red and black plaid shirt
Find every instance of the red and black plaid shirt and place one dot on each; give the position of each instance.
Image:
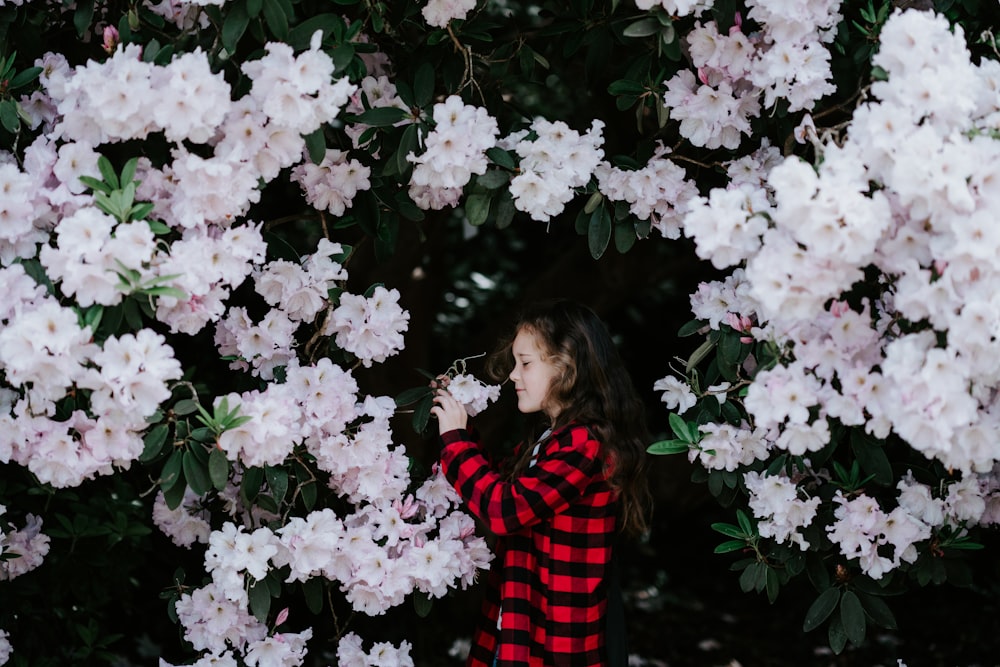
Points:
(555, 525)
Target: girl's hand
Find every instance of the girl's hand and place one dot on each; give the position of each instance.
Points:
(450, 413)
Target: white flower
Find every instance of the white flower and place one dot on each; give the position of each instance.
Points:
(677, 395)
(472, 393)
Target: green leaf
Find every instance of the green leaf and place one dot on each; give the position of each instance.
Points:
(218, 468)
(170, 475)
(153, 442)
(312, 592)
(300, 36)
(477, 209)
(625, 236)
(8, 115)
(276, 19)
(24, 77)
(158, 227)
(422, 604)
(501, 158)
(821, 609)
(729, 546)
(872, 457)
(836, 636)
(493, 179)
(682, 429)
(186, 406)
(195, 473)
(308, 491)
(669, 447)
(260, 600)
(277, 481)
(852, 616)
(253, 478)
(599, 232)
(412, 395)
(771, 584)
(750, 577)
(423, 85)
(877, 610)
(316, 145)
(235, 25)
(381, 116)
(691, 328)
(745, 523)
(128, 171)
(729, 530)
(422, 414)
(83, 16)
(626, 87)
(643, 28)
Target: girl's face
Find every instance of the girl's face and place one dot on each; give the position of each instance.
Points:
(532, 374)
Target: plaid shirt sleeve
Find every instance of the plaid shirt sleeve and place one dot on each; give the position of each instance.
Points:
(565, 469)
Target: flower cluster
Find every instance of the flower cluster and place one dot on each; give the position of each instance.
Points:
(909, 355)
(555, 160)
(786, 59)
(332, 184)
(46, 354)
(472, 392)
(378, 554)
(22, 550)
(658, 192)
(370, 328)
(439, 13)
(351, 653)
(454, 150)
(774, 500)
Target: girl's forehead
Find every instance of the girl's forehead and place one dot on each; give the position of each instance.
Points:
(526, 342)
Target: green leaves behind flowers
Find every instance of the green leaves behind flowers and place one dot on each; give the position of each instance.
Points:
(849, 611)
(115, 194)
(687, 436)
(422, 398)
(195, 462)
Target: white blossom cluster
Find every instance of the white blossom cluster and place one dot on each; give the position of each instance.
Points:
(472, 392)
(332, 184)
(555, 159)
(786, 59)
(370, 328)
(351, 653)
(439, 13)
(45, 354)
(6, 650)
(374, 92)
(23, 549)
(806, 234)
(453, 151)
(297, 292)
(775, 501)
(658, 192)
(252, 138)
(677, 7)
(378, 554)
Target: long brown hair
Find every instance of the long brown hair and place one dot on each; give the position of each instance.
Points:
(592, 388)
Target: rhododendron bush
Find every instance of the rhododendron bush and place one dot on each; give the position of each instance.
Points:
(187, 322)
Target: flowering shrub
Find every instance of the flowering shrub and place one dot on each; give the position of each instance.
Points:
(851, 393)
(188, 194)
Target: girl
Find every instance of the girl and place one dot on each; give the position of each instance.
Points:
(558, 506)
